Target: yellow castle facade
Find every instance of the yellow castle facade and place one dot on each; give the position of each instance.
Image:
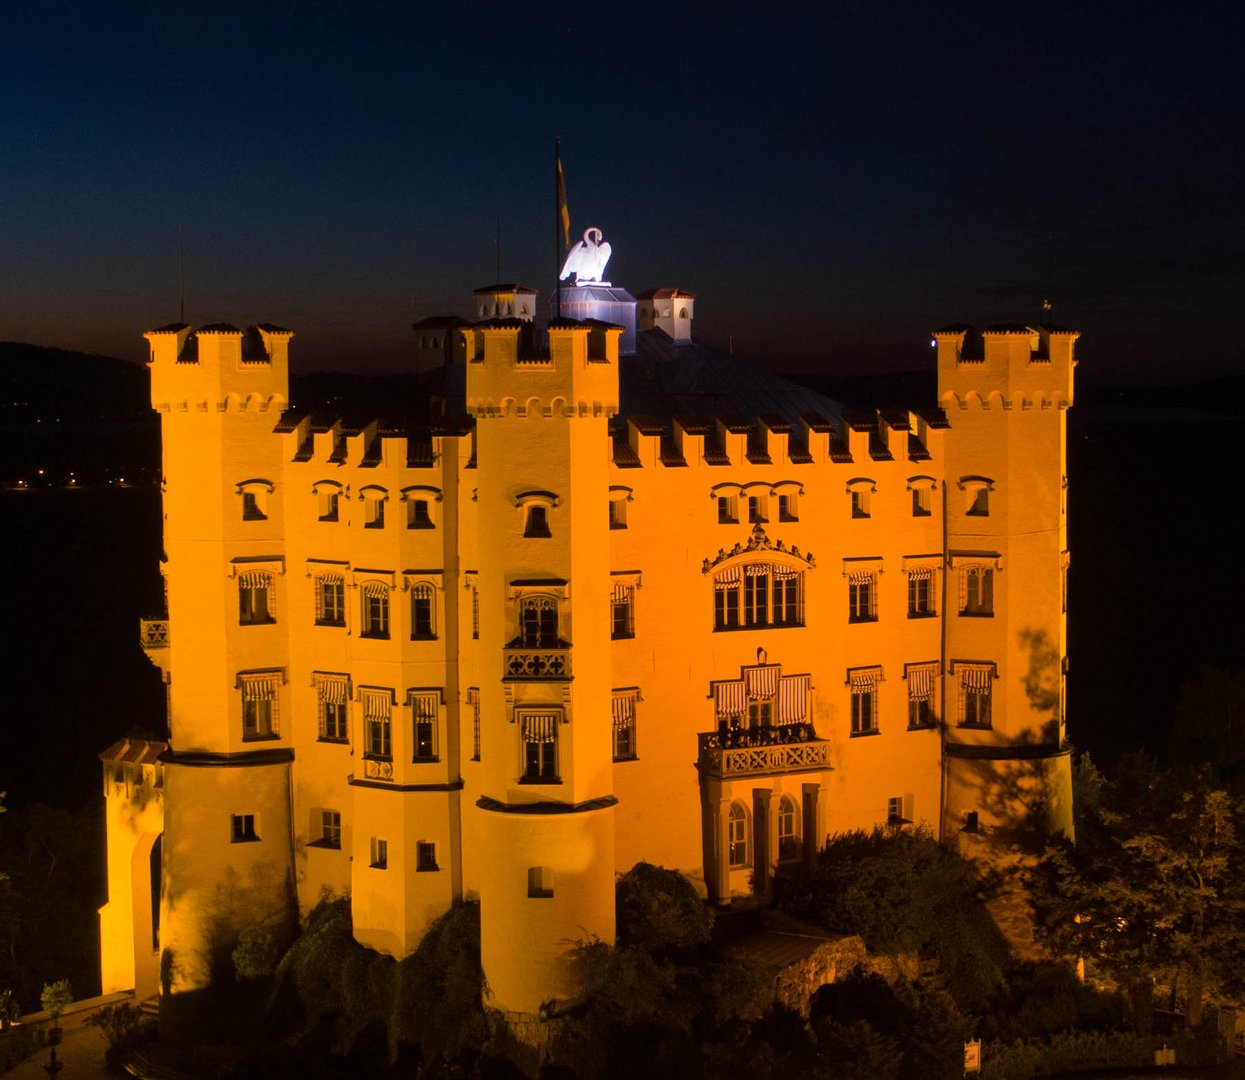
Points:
(600, 603)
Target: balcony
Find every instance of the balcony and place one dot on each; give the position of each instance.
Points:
(762, 751)
(153, 636)
(538, 664)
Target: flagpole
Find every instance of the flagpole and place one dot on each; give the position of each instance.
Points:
(557, 225)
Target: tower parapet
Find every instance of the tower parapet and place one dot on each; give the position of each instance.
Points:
(1006, 364)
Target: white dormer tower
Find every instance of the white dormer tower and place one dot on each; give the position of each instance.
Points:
(504, 301)
(669, 310)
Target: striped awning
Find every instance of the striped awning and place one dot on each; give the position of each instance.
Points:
(762, 682)
(726, 579)
(259, 687)
(975, 678)
(793, 699)
(920, 573)
(624, 710)
(921, 682)
(424, 706)
(375, 588)
(621, 594)
(729, 698)
(860, 577)
(757, 569)
(376, 706)
(422, 592)
(864, 681)
(333, 689)
(785, 573)
(255, 579)
(540, 728)
(331, 579)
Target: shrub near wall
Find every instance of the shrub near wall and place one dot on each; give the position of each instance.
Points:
(1081, 1051)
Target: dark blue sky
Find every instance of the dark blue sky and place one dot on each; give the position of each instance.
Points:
(831, 180)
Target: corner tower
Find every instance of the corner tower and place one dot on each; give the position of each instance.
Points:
(544, 823)
(227, 849)
(1006, 392)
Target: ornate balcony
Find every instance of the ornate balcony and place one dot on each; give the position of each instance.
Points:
(763, 751)
(538, 663)
(153, 634)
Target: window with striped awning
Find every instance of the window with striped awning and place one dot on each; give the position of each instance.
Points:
(921, 694)
(860, 577)
(260, 687)
(920, 573)
(730, 698)
(977, 677)
(621, 594)
(259, 703)
(255, 579)
(622, 612)
(377, 710)
(865, 678)
(863, 683)
(253, 593)
(762, 682)
(793, 699)
(976, 693)
(332, 694)
(625, 724)
(425, 710)
(727, 579)
(538, 745)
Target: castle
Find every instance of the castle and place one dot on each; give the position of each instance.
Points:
(611, 596)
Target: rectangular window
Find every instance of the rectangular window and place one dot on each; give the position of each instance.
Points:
(756, 509)
(540, 883)
(425, 857)
(422, 610)
(624, 724)
(920, 502)
(860, 503)
(728, 513)
(425, 708)
(330, 502)
(864, 689)
(377, 705)
(899, 810)
(417, 515)
(375, 610)
(539, 734)
(980, 505)
(758, 595)
(538, 623)
(537, 522)
(787, 509)
(473, 703)
(920, 592)
(331, 694)
(618, 513)
(862, 596)
(373, 512)
(380, 854)
(621, 612)
(330, 600)
(976, 686)
(787, 584)
(242, 828)
(977, 595)
(251, 508)
(253, 593)
(331, 828)
(259, 704)
(737, 836)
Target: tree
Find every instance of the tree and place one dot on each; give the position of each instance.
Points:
(1154, 885)
(1208, 729)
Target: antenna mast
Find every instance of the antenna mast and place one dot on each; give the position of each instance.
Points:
(181, 273)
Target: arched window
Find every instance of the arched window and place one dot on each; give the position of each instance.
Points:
(737, 836)
(788, 830)
(538, 622)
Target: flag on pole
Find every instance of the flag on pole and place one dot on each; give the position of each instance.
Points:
(564, 215)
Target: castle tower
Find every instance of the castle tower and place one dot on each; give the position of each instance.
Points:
(227, 846)
(669, 310)
(1006, 392)
(544, 821)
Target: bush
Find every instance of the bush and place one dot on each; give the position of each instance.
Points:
(256, 954)
(658, 910)
(19, 1044)
(56, 997)
(1070, 1051)
(123, 1026)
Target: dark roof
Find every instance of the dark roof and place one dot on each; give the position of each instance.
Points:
(1008, 328)
(500, 324)
(171, 328)
(219, 328)
(663, 380)
(664, 294)
(502, 287)
(272, 328)
(135, 751)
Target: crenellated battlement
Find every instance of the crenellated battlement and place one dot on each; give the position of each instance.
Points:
(1005, 366)
(693, 441)
(219, 367)
(510, 374)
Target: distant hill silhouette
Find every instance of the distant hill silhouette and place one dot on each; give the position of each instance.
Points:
(38, 383)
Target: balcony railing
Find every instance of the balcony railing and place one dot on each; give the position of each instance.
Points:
(752, 752)
(153, 634)
(538, 664)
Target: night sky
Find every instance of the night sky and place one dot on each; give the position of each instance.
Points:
(831, 180)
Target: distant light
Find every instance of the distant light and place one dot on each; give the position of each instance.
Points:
(933, 343)
(40, 472)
